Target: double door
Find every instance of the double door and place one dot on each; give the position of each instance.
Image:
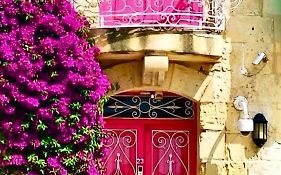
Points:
(151, 147)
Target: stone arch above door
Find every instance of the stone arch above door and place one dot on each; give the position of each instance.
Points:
(180, 79)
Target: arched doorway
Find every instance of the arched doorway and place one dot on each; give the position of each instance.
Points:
(151, 133)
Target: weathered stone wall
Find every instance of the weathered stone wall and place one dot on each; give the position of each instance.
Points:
(255, 26)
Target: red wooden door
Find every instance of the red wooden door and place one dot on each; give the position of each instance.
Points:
(159, 147)
(157, 137)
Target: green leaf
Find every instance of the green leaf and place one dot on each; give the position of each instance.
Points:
(75, 106)
(55, 110)
(91, 41)
(65, 150)
(27, 47)
(27, 17)
(41, 163)
(41, 126)
(70, 162)
(49, 63)
(49, 142)
(85, 93)
(76, 136)
(59, 120)
(3, 63)
(74, 118)
(17, 1)
(54, 99)
(35, 56)
(54, 171)
(7, 157)
(85, 130)
(54, 74)
(42, 171)
(3, 139)
(115, 86)
(30, 116)
(101, 103)
(25, 125)
(32, 158)
(45, 153)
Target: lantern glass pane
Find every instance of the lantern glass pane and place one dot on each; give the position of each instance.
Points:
(265, 131)
(256, 131)
(261, 131)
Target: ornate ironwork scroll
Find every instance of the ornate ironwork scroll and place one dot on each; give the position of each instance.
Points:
(122, 152)
(168, 147)
(188, 14)
(128, 106)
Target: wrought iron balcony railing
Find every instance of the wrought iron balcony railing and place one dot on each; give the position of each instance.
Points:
(185, 14)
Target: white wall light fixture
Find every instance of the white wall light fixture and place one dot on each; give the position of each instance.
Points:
(245, 123)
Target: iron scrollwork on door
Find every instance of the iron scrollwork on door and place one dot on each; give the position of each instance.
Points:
(122, 151)
(168, 148)
(143, 106)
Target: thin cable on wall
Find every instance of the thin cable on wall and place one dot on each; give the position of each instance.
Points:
(244, 71)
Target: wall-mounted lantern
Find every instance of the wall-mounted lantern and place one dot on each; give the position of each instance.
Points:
(260, 130)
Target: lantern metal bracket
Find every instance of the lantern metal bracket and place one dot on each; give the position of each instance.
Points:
(238, 102)
(245, 123)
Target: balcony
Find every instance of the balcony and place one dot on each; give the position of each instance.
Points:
(179, 14)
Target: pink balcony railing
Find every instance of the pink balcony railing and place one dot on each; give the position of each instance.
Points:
(187, 14)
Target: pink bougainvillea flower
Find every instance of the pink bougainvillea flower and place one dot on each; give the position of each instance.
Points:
(50, 87)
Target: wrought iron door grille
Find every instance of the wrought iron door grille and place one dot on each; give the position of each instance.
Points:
(168, 148)
(184, 14)
(138, 106)
(122, 147)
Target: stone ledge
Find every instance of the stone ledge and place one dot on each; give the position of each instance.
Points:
(128, 40)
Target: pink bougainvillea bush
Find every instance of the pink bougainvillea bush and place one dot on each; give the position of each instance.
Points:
(50, 91)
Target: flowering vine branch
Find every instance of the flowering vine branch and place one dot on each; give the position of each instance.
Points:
(50, 91)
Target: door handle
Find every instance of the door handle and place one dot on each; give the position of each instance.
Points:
(140, 170)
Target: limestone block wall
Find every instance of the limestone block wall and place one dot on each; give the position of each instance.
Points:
(255, 26)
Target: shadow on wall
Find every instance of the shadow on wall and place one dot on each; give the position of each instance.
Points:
(180, 79)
